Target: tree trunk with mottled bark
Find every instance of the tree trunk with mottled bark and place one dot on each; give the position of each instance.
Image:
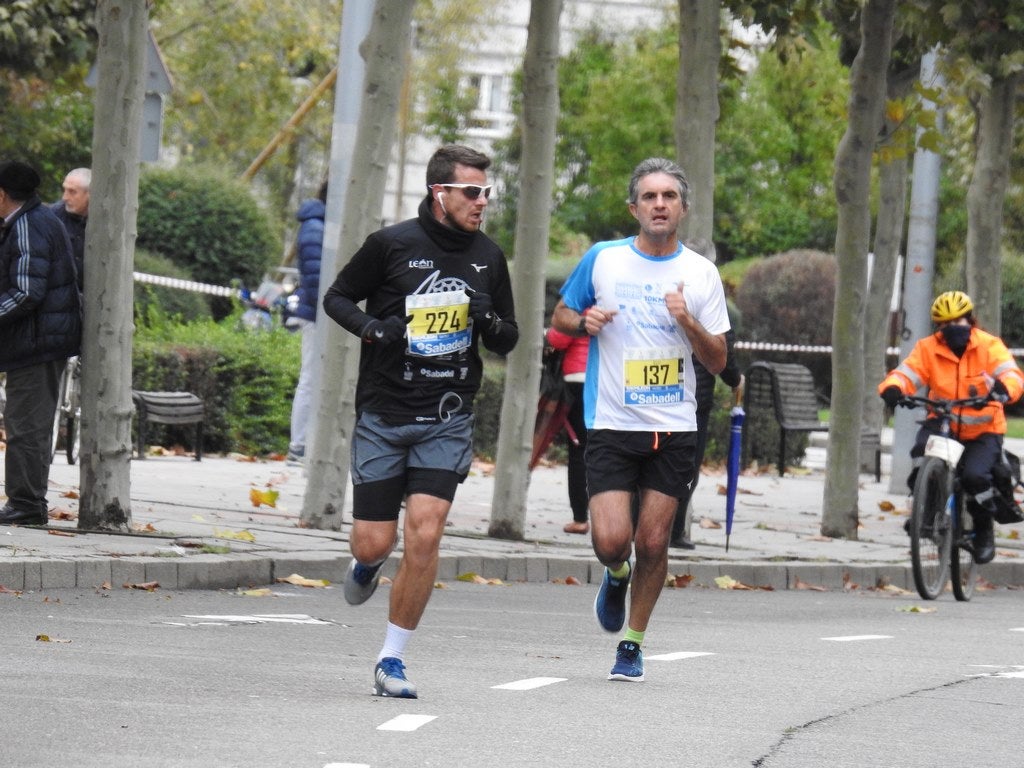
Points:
(105, 502)
(852, 181)
(522, 374)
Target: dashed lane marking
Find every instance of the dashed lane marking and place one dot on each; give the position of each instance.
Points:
(406, 722)
(263, 618)
(856, 638)
(677, 655)
(529, 683)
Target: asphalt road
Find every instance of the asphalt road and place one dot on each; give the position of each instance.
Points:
(510, 676)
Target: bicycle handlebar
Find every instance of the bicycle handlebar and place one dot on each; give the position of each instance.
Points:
(945, 407)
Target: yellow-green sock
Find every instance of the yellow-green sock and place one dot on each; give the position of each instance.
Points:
(634, 636)
(621, 572)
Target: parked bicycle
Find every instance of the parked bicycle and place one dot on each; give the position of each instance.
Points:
(69, 411)
(941, 529)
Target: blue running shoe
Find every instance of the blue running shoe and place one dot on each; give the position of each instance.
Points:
(361, 581)
(610, 604)
(389, 679)
(629, 663)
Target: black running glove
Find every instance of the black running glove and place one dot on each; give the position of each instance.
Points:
(892, 396)
(385, 331)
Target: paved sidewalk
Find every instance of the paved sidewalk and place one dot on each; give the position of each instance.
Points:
(199, 529)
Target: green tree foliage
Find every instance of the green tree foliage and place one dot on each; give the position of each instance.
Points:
(37, 36)
(48, 124)
(211, 226)
(780, 124)
(240, 70)
(775, 142)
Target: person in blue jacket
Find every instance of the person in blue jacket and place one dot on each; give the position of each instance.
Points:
(302, 316)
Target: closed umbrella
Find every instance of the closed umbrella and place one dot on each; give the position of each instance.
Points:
(732, 466)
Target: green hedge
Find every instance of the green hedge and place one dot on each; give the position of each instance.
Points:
(246, 378)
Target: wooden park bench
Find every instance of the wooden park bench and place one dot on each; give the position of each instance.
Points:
(168, 408)
(787, 391)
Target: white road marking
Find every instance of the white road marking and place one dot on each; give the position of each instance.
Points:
(347, 765)
(264, 618)
(529, 683)
(1013, 670)
(1017, 629)
(677, 655)
(406, 722)
(855, 638)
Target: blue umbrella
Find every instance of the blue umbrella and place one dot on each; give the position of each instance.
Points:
(733, 463)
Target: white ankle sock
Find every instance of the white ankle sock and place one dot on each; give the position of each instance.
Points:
(394, 642)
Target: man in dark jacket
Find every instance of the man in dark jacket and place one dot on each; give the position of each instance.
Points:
(40, 327)
(73, 212)
(435, 287)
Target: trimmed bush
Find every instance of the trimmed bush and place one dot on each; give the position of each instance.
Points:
(208, 225)
(246, 379)
(789, 299)
(165, 301)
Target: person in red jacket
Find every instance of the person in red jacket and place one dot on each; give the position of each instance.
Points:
(574, 368)
(957, 361)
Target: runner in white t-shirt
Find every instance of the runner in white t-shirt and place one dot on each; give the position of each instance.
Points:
(650, 304)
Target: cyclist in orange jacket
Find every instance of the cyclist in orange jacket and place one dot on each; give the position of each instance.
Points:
(960, 360)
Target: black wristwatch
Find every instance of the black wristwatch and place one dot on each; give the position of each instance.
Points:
(581, 329)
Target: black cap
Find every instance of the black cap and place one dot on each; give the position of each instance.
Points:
(18, 179)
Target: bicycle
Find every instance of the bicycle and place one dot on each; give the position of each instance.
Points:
(69, 412)
(941, 529)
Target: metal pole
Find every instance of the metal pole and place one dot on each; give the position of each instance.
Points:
(919, 273)
(356, 19)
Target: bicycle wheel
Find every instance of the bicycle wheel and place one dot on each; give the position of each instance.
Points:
(73, 438)
(931, 528)
(73, 413)
(962, 568)
(58, 413)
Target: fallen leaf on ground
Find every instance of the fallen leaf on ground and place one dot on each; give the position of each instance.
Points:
(302, 581)
(105, 585)
(799, 583)
(475, 578)
(61, 533)
(1014, 534)
(242, 535)
(886, 506)
(572, 581)
(679, 580)
(848, 583)
(917, 609)
(62, 513)
(71, 494)
(140, 528)
(148, 586)
(48, 639)
(440, 585)
(707, 522)
(267, 497)
(724, 490)
(892, 589)
(5, 591)
(262, 592)
(728, 582)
